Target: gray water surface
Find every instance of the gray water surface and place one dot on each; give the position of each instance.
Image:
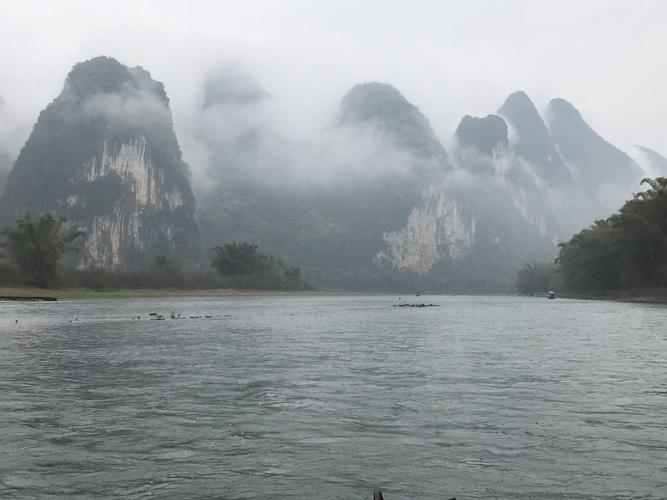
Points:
(332, 396)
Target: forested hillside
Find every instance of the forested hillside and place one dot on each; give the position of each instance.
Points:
(626, 250)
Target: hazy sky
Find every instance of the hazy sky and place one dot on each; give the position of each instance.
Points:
(447, 57)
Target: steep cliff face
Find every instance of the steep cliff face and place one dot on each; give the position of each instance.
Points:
(483, 149)
(594, 161)
(435, 226)
(530, 139)
(438, 227)
(104, 155)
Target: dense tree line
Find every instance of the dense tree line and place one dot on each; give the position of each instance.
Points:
(243, 266)
(32, 249)
(626, 250)
(535, 278)
(36, 246)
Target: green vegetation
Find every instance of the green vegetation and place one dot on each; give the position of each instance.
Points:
(535, 278)
(626, 250)
(242, 266)
(36, 246)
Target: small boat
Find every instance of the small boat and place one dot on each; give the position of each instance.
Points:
(551, 295)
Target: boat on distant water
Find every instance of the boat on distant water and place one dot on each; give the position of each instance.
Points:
(551, 295)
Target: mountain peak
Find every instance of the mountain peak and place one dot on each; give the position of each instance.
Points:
(482, 134)
(520, 110)
(382, 106)
(104, 155)
(531, 139)
(97, 75)
(519, 99)
(564, 108)
(232, 84)
(375, 101)
(106, 76)
(656, 163)
(595, 160)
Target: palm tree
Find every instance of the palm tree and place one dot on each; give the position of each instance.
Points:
(36, 246)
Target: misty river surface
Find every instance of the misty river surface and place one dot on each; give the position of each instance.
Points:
(331, 396)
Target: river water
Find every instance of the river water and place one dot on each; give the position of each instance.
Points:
(332, 396)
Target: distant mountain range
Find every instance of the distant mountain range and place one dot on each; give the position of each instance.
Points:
(395, 211)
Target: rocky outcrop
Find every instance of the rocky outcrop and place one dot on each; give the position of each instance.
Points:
(437, 228)
(104, 155)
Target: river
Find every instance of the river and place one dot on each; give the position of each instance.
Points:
(333, 396)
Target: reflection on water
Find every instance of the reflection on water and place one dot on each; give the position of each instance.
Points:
(298, 397)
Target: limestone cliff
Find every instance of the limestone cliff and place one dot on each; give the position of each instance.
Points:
(438, 227)
(104, 155)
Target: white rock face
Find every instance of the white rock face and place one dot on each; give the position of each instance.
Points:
(132, 162)
(125, 227)
(434, 229)
(103, 239)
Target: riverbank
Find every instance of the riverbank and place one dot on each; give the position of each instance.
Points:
(26, 293)
(11, 293)
(642, 295)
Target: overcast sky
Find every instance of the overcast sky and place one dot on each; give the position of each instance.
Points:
(448, 57)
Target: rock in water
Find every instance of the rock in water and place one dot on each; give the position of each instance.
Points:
(104, 155)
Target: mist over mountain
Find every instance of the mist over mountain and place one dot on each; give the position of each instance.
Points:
(371, 201)
(5, 158)
(5, 167)
(652, 162)
(383, 107)
(601, 169)
(531, 141)
(232, 84)
(324, 204)
(425, 224)
(104, 155)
